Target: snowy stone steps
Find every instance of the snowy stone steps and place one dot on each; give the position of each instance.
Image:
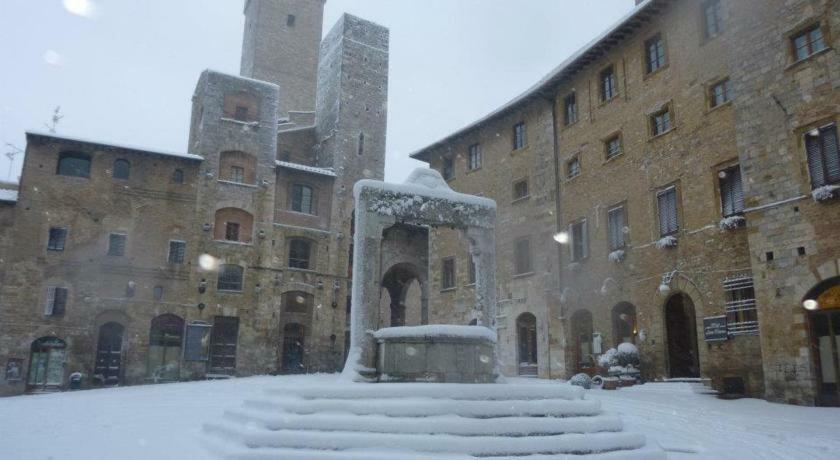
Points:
(449, 391)
(423, 407)
(476, 446)
(439, 424)
(261, 453)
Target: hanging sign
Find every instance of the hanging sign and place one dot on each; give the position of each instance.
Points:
(714, 329)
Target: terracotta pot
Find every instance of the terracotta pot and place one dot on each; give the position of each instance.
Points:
(610, 384)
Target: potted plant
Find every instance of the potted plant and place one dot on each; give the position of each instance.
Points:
(621, 364)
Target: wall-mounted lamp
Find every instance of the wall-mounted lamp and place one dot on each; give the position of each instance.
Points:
(206, 227)
(336, 288)
(202, 286)
(811, 305)
(258, 288)
(200, 307)
(665, 285)
(320, 284)
(261, 234)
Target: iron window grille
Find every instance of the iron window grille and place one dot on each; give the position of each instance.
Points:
(230, 278)
(741, 311)
(613, 145)
(177, 252)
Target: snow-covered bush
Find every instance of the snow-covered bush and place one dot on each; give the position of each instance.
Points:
(627, 355)
(617, 255)
(732, 222)
(621, 361)
(581, 380)
(824, 193)
(666, 242)
(608, 359)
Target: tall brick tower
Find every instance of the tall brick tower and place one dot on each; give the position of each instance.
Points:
(280, 46)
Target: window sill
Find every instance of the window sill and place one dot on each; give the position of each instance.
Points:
(469, 285)
(253, 124)
(520, 150)
(520, 200)
(569, 179)
(240, 184)
(662, 134)
(470, 171)
(569, 125)
(228, 291)
(234, 243)
(719, 107)
(649, 75)
(451, 289)
(301, 213)
(523, 275)
(606, 102)
(614, 157)
(809, 58)
(302, 270)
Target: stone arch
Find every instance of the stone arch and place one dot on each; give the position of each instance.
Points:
(46, 364)
(581, 334)
(109, 347)
(822, 302)
(397, 281)
(233, 224)
(681, 348)
(526, 344)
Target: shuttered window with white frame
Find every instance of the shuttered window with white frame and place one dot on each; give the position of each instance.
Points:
(823, 155)
(731, 191)
(580, 244)
(615, 222)
(666, 201)
(56, 301)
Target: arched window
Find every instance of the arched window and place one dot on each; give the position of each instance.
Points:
(109, 354)
(74, 164)
(303, 199)
(46, 363)
(165, 338)
(299, 254)
(298, 302)
(233, 224)
(178, 176)
(582, 335)
(293, 335)
(238, 167)
(624, 323)
(526, 336)
(122, 169)
(230, 278)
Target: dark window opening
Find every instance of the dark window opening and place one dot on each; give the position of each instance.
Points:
(448, 269)
(570, 115)
(73, 164)
(230, 278)
(731, 192)
(608, 84)
(241, 113)
(655, 54)
(232, 231)
(178, 176)
(520, 190)
(116, 244)
(58, 237)
(223, 340)
(302, 199)
(290, 20)
(177, 252)
(522, 260)
(448, 171)
(580, 244)
(300, 254)
(122, 169)
(519, 136)
(56, 302)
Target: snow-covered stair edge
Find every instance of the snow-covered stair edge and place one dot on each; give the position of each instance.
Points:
(483, 446)
(440, 424)
(483, 392)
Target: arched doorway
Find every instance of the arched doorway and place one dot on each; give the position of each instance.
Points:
(582, 336)
(681, 333)
(823, 302)
(624, 323)
(526, 339)
(46, 364)
(397, 281)
(293, 340)
(108, 367)
(165, 338)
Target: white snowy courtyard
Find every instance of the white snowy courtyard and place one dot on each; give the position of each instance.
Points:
(164, 421)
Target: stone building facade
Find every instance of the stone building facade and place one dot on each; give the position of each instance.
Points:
(673, 160)
(135, 266)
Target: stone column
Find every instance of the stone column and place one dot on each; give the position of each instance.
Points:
(483, 249)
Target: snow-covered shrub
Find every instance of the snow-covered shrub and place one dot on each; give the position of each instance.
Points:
(581, 380)
(607, 359)
(732, 222)
(621, 361)
(666, 242)
(824, 193)
(617, 255)
(627, 355)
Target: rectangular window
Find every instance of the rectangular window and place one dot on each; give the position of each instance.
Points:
(573, 167)
(241, 113)
(177, 252)
(472, 269)
(230, 278)
(731, 192)
(290, 20)
(231, 231)
(616, 225)
(474, 157)
(58, 236)
(666, 201)
(720, 93)
(608, 84)
(712, 18)
(522, 256)
(823, 156)
(237, 174)
(448, 171)
(448, 269)
(613, 146)
(56, 301)
(660, 122)
(302, 199)
(580, 244)
(519, 136)
(741, 314)
(520, 189)
(571, 112)
(655, 54)
(808, 42)
(116, 244)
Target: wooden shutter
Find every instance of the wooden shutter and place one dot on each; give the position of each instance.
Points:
(50, 303)
(831, 156)
(667, 202)
(59, 301)
(737, 190)
(616, 228)
(815, 161)
(584, 240)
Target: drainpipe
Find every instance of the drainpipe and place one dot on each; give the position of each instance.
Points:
(553, 101)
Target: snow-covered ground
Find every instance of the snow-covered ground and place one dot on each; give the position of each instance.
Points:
(164, 421)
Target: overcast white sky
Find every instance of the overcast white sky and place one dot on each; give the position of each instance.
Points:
(126, 74)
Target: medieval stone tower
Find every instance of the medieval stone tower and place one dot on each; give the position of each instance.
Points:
(280, 46)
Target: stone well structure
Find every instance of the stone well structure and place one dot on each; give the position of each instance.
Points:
(391, 230)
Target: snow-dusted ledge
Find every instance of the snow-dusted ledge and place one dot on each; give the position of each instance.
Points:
(617, 256)
(666, 242)
(436, 331)
(825, 193)
(732, 222)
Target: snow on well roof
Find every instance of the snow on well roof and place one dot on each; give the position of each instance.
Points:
(424, 182)
(310, 169)
(436, 330)
(9, 196)
(186, 156)
(553, 77)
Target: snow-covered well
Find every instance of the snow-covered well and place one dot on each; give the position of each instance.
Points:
(389, 219)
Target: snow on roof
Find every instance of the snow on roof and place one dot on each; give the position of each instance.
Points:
(436, 330)
(9, 196)
(545, 81)
(310, 169)
(425, 182)
(186, 156)
(240, 77)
